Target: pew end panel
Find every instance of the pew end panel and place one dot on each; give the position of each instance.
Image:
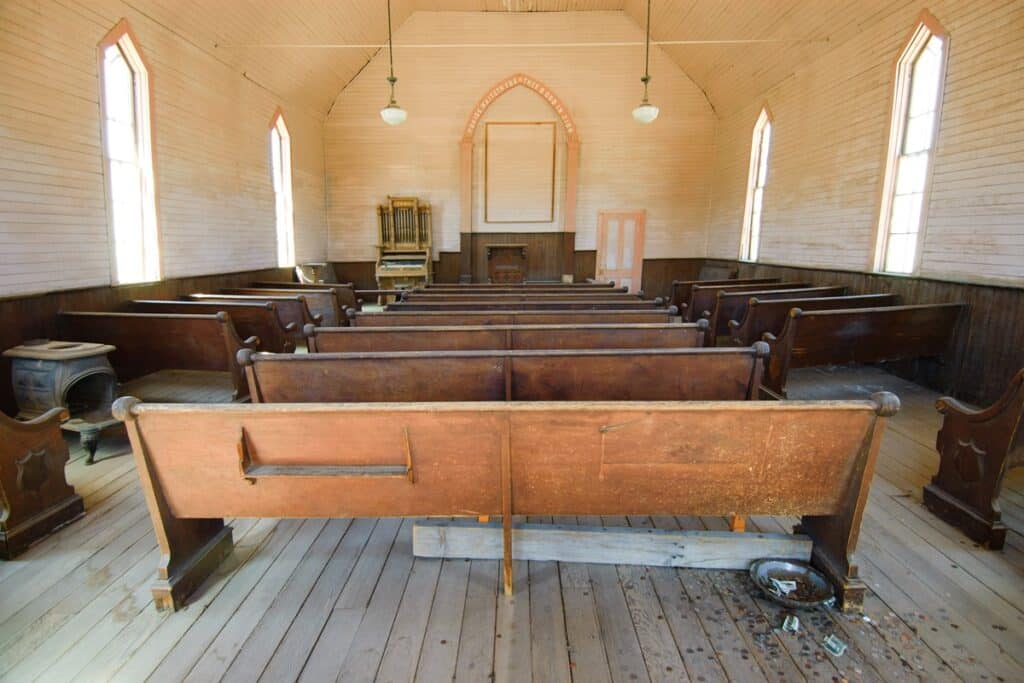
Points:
(35, 497)
(976, 449)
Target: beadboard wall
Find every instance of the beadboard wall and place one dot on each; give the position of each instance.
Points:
(215, 202)
(830, 132)
(662, 167)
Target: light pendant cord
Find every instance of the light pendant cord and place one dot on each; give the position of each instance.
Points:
(647, 53)
(391, 57)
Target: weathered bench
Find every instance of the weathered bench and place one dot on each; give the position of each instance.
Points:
(292, 310)
(35, 498)
(167, 356)
(257, 319)
(433, 319)
(507, 337)
(681, 289)
(323, 301)
(859, 335)
(769, 315)
(702, 297)
(531, 305)
(201, 463)
(344, 291)
(729, 305)
(976, 450)
(667, 374)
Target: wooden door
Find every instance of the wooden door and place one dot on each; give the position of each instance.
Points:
(620, 247)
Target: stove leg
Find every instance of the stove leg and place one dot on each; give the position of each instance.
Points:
(90, 441)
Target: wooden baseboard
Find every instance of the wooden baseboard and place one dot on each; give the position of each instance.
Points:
(606, 545)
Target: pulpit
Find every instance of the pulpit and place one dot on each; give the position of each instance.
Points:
(506, 263)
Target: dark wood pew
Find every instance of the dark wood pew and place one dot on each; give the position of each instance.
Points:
(681, 289)
(555, 305)
(504, 337)
(702, 297)
(344, 291)
(152, 347)
(199, 464)
(469, 286)
(381, 296)
(427, 297)
(769, 315)
(293, 310)
(859, 335)
(671, 374)
(429, 318)
(323, 302)
(35, 498)
(730, 305)
(257, 319)
(976, 450)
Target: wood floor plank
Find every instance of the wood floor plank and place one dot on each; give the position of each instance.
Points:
(664, 662)
(548, 652)
(444, 625)
(475, 659)
(405, 642)
(258, 648)
(291, 654)
(512, 658)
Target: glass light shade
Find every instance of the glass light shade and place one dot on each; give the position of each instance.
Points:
(393, 114)
(645, 113)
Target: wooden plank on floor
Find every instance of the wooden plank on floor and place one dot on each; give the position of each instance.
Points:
(405, 641)
(512, 658)
(475, 659)
(444, 625)
(548, 639)
(606, 545)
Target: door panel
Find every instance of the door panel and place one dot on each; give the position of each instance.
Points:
(620, 245)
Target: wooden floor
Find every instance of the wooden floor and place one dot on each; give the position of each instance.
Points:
(344, 599)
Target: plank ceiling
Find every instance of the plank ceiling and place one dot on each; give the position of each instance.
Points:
(239, 33)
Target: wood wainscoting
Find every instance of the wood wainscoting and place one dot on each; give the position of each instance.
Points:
(544, 253)
(987, 350)
(35, 316)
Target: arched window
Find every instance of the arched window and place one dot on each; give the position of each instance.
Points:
(281, 176)
(750, 240)
(917, 100)
(128, 147)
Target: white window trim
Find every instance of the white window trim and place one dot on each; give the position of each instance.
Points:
(746, 230)
(926, 27)
(123, 38)
(284, 226)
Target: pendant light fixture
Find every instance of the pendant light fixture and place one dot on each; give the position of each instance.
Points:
(392, 114)
(646, 112)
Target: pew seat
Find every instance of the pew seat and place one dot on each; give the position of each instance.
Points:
(763, 315)
(258, 319)
(322, 301)
(293, 310)
(859, 335)
(517, 317)
(201, 463)
(729, 305)
(558, 304)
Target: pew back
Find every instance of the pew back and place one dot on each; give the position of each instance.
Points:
(731, 305)
(503, 337)
(322, 301)
(859, 335)
(518, 317)
(344, 291)
(292, 310)
(685, 374)
(255, 319)
(702, 297)
(769, 315)
(431, 296)
(559, 304)
(149, 342)
(681, 289)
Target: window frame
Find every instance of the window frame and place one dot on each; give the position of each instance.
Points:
(758, 157)
(926, 27)
(122, 37)
(280, 126)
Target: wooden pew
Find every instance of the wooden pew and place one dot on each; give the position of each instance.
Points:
(976, 450)
(504, 337)
(702, 297)
(293, 310)
(668, 374)
(555, 305)
(257, 319)
(515, 289)
(432, 319)
(35, 498)
(859, 335)
(153, 347)
(201, 463)
(381, 296)
(344, 291)
(681, 289)
(522, 285)
(730, 305)
(321, 301)
(769, 315)
(427, 297)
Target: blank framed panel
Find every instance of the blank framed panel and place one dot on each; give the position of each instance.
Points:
(519, 172)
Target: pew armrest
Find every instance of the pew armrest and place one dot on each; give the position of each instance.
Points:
(252, 342)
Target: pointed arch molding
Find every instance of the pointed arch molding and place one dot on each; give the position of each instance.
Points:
(466, 165)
